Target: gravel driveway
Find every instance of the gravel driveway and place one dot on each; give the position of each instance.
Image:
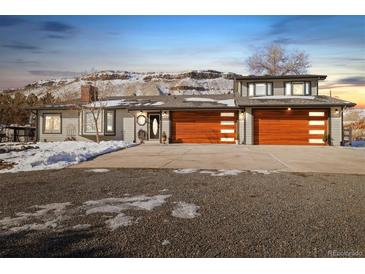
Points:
(181, 213)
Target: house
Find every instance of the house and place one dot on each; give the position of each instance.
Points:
(285, 110)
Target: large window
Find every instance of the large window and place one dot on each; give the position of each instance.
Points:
(109, 122)
(260, 89)
(89, 122)
(297, 88)
(52, 123)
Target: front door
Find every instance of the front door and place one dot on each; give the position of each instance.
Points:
(154, 126)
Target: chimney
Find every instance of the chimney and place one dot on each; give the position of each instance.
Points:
(89, 93)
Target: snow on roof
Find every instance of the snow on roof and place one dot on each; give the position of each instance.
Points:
(227, 102)
(124, 102)
(284, 97)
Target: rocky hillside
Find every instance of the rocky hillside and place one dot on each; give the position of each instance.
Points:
(124, 83)
(355, 119)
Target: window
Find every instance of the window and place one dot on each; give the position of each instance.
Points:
(89, 124)
(110, 122)
(260, 89)
(297, 88)
(288, 88)
(52, 123)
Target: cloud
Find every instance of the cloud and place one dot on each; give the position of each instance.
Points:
(58, 27)
(20, 46)
(355, 80)
(54, 73)
(9, 21)
(26, 62)
(57, 36)
(322, 30)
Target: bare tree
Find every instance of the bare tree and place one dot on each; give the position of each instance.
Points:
(97, 106)
(276, 60)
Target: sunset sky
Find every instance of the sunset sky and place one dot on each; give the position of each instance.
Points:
(43, 47)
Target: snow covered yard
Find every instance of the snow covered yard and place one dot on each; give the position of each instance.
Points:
(56, 155)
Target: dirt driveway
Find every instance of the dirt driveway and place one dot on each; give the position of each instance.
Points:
(280, 158)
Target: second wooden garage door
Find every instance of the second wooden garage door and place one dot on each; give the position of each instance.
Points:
(214, 127)
(290, 127)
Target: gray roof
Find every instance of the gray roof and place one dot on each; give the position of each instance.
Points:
(176, 102)
(227, 101)
(289, 77)
(277, 101)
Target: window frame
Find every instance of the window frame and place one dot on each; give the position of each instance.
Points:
(266, 88)
(44, 131)
(304, 88)
(106, 132)
(85, 121)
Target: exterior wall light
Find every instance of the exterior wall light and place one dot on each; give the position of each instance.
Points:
(337, 111)
(165, 114)
(289, 108)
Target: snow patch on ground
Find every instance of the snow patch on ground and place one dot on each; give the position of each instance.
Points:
(165, 242)
(56, 155)
(118, 205)
(81, 226)
(222, 172)
(120, 220)
(185, 210)
(98, 170)
(263, 171)
(46, 217)
(185, 170)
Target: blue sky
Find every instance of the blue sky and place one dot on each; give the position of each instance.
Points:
(39, 47)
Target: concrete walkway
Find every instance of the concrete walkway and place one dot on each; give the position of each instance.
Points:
(280, 158)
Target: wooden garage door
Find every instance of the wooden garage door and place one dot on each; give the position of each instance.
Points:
(290, 127)
(213, 127)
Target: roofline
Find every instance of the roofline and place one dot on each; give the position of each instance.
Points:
(300, 105)
(268, 77)
(55, 107)
(184, 107)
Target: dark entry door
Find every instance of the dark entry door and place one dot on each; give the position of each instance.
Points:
(154, 122)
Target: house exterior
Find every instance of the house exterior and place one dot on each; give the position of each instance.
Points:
(285, 110)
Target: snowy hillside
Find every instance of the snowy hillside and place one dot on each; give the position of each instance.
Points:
(124, 83)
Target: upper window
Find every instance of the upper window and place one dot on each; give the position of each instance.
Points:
(109, 122)
(52, 123)
(89, 124)
(259, 89)
(297, 88)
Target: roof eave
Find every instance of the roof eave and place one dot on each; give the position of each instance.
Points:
(267, 77)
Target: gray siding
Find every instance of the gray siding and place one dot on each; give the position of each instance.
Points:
(72, 122)
(128, 129)
(336, 126)
(70, 126)
(249, 126)
(278, 86)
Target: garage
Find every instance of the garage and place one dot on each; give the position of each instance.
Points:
(209, 127)
(290, 126)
